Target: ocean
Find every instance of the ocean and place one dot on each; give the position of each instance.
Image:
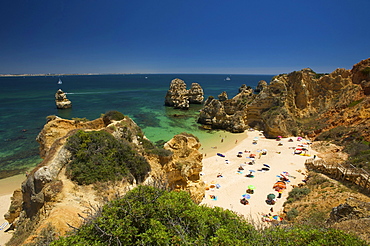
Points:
(25, 102)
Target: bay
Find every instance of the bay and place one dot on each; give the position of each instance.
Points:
(25, 102)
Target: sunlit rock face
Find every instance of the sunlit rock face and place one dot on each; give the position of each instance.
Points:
(179, 97)
(289, 101)
(61, 100)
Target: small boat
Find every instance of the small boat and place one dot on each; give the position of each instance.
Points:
(60, 82)
(227, 78)
(221, 155)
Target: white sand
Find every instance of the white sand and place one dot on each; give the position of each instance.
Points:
(234, 185)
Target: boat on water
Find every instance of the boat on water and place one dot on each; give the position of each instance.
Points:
(227, 78)
(60, 82)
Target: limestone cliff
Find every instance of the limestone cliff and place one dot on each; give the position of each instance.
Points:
(301, 102)
(183, 171)
(179, 97)
(229, 114)
(61, 100)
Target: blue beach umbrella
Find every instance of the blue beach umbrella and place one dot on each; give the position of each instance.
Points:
(246, 196)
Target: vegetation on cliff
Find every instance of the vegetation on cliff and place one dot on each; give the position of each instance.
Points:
(98, 156)
(315, 203)
(152, 216)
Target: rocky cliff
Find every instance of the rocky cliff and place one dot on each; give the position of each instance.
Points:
(301, 102)
(224, 113)
(179, 97)
(183, 171)
(61, 100)
(49, 196)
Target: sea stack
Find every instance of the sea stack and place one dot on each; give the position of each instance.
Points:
(179, 97)
(61, 100)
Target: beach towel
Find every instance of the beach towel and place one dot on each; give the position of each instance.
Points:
(5, 224)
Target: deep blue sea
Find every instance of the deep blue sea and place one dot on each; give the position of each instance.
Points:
(25, 102)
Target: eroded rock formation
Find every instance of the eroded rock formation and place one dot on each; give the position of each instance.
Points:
(183, 171)
(61, 100)
(229, 114)
(301, 102)
(179, 97)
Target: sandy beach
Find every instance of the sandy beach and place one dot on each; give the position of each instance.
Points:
(8, 186)
(233, 184)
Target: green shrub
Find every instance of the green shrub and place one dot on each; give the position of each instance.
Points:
(112, 115)
(366, 71)
(98, 156)
(291, 214)
(152, 216)
(297, 194)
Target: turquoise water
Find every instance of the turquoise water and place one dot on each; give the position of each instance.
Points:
(25, 102)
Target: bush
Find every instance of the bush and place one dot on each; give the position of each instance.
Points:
(152, 216)
(112, 115)
(291, 214)
(98, 156)
(297, 194)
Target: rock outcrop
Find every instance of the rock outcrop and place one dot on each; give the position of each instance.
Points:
(301, 102)
(352, 209)
(229, 114)
(179, 97)
(195, 94)
(361, 75)
(183, 171)
(61, 100)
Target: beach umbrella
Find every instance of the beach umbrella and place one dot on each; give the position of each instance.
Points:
(240, 153)
(264, 150)
(266, 165)
(252, 171)
(242, 165)
(271, 196)
(251, 187)
(246, 196)
(252, 155)
(279, 137)
(279, 185)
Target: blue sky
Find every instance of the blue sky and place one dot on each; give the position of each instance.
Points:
(227, 37)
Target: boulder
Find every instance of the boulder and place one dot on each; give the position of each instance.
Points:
(61, 100)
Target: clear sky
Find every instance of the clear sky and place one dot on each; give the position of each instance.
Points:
(177, 36)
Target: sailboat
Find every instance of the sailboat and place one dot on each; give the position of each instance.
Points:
(227, 78)
(60, 82)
